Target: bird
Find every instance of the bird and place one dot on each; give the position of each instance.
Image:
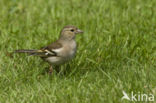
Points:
(60, 51)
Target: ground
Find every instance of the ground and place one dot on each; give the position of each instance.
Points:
(116, 52)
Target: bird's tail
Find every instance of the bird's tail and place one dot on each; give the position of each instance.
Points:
(30, 52)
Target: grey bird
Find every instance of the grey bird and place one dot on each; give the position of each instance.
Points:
(60, 51)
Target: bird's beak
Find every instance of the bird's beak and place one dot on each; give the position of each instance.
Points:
(78, 31)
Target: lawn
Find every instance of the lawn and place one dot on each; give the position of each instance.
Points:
(116, 52)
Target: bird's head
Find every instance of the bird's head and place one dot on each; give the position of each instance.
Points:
(69, 32)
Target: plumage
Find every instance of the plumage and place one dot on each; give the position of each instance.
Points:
(54, 45)
(60, 51)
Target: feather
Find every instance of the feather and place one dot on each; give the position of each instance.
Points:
(25, 51)
(41, 53)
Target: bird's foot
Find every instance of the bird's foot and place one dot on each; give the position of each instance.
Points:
(50, 70)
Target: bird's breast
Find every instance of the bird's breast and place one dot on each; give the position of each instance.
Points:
(70, 50)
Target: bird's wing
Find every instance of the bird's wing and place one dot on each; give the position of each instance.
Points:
(51, 50)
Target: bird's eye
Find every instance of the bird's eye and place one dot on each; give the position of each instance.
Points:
(72, 30)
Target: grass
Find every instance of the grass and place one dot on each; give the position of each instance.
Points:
(116, 52)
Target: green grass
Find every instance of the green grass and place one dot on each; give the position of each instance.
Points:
(116, 52)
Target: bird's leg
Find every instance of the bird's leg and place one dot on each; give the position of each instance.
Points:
(51, 70)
